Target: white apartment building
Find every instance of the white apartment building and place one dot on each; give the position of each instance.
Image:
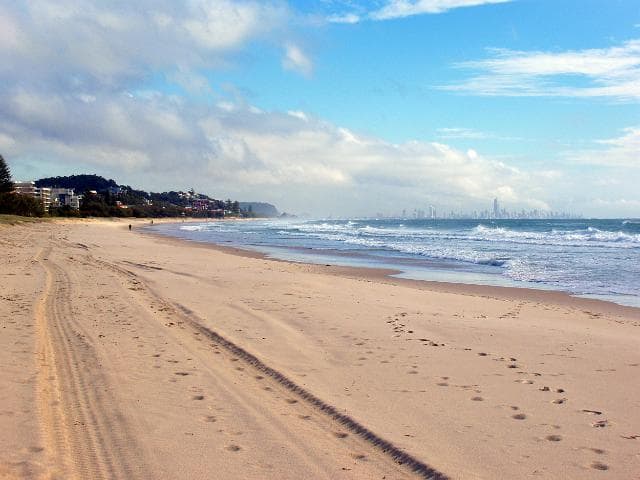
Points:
(29, 188)
(65, 196)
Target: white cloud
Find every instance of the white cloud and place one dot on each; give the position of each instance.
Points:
(460, 133)
(610, 72)
(299, 114)
(223, 24)
(191, 81)
(393, 9)
(349, 18)
(9, 34)
(406, 8)
(67, 43)
(296, 60)
(622, 151)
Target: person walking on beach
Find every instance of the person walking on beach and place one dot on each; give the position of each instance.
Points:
(129, 226)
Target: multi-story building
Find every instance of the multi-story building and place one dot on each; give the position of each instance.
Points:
(65, 196)
(29, 188)
(25, 188)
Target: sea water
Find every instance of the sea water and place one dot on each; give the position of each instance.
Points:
(593, 258)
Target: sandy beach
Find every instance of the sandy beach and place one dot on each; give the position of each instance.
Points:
(126, 355)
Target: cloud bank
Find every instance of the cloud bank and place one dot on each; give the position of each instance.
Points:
(299, 161)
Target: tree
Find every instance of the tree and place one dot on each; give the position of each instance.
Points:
(6, 185)
(24, 205)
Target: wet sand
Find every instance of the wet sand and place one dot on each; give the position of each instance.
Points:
(131, 356)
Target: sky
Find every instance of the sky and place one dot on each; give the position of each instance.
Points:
(332, 107)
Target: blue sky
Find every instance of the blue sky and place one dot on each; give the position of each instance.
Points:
(332, 107)
(386, 77)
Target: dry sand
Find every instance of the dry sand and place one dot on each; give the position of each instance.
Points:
(130, 356)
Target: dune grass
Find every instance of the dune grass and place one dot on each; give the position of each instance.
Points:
(16, 219)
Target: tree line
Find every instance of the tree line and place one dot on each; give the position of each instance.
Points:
(12, 203)
(105, 198)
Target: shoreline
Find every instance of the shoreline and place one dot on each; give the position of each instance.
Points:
(557, 297)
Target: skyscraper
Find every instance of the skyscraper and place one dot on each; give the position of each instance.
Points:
(496, 209)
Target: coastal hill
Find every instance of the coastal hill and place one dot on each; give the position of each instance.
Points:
(80, 183)
(103, 197)
(261, 209)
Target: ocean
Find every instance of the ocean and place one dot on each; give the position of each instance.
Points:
(591, 258)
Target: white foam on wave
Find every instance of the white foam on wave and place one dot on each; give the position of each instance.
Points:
(570, 238)
(580, 260)
(192, 228)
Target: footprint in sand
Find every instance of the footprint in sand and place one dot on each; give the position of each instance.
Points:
(560, 401)
(197, 397)
(291, 401)
(304, 417)
(519, 416)
(554, 438)
(592, 412)
(341, 434)
(233, 448)
(210, 419)
(600, 424)
(599, 466)
(182, 374)
(442, 384)
(477, 399)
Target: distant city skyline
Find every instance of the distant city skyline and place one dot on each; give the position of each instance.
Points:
(489, 213)
(332, 107)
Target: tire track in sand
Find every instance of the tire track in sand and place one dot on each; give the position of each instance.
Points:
(84, 434)
(190, 319)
